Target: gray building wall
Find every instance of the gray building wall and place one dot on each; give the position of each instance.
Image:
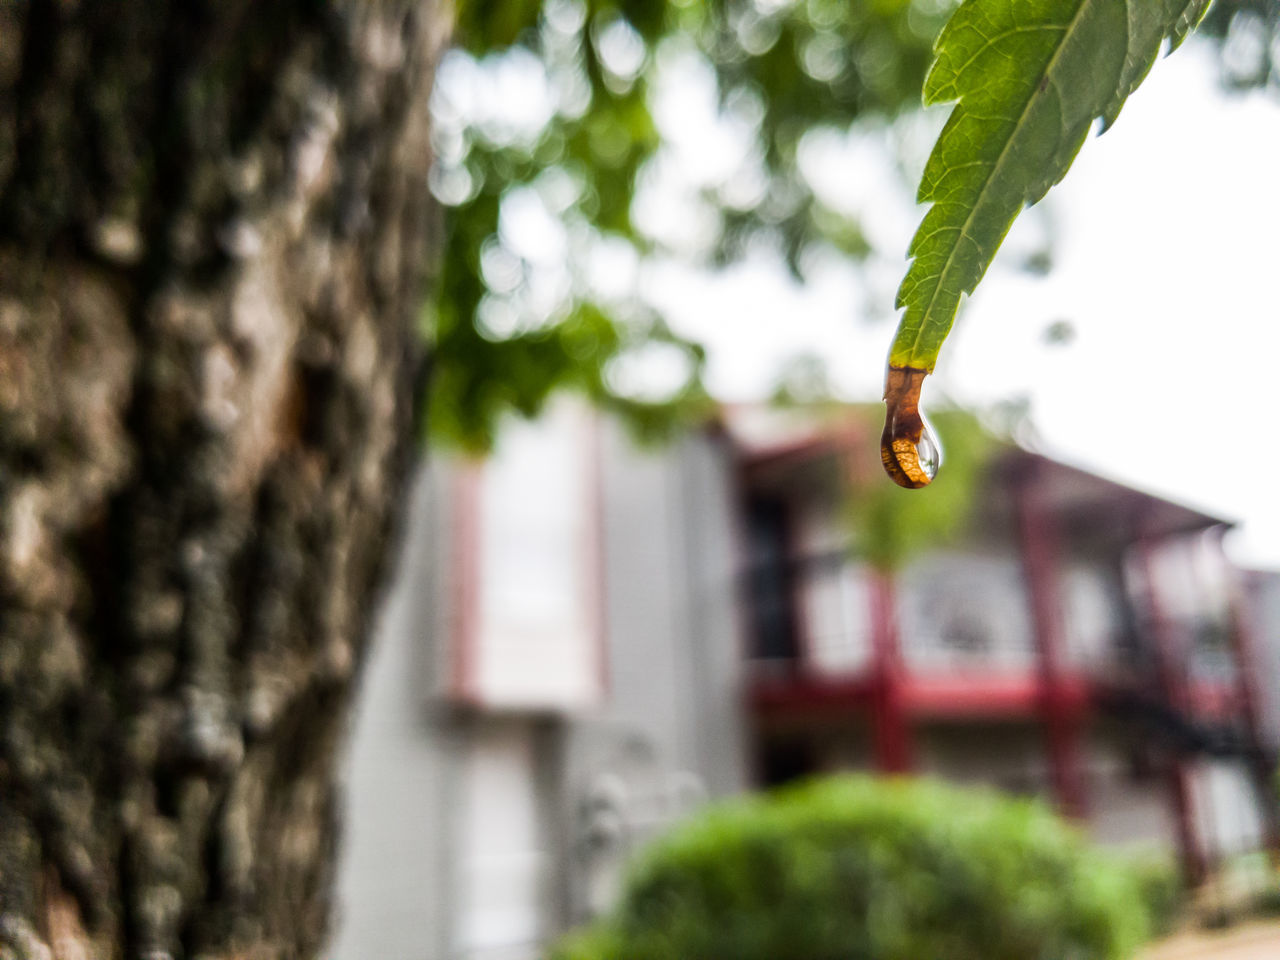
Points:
(670, 733)
(472, 834)
(433, 790)
(1263, 610)
(396, 845)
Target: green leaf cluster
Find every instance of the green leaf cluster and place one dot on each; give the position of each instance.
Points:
(1249, 35)
(1030, 78)
(869, 869)
(785, 69)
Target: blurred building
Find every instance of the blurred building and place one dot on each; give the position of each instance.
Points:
(1261, 611)
(588, 640)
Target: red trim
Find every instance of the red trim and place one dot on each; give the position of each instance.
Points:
(1216, 701)
(1170, 666)
(1039, 546)
(893, 746)
(466, 581)
(1194, 862)
(810, 695)
(1248, 669)
(1243, 652)
(990, 696)
(1013, 696)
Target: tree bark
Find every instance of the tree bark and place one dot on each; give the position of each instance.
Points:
(213, 226)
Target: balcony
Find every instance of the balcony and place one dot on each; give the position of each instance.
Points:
(967, 642)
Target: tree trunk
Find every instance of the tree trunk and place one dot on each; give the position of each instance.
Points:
(213, 225)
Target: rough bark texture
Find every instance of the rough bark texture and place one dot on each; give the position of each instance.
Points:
(213, 218)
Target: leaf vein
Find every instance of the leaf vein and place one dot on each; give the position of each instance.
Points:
(986, 183)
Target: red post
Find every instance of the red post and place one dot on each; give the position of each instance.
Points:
(894, 752)
(1244, 652)
(1170, 665)
(1039, 546)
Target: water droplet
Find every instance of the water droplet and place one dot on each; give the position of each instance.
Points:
(910, 452)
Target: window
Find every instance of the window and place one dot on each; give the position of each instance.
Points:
(769, 582)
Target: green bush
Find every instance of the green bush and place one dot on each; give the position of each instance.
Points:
(861, 869)
(1163, 892)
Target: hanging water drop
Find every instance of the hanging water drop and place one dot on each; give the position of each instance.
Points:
(910, 452)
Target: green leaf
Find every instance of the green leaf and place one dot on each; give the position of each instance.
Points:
(1188, 20)
(1149, 23)
(1029, 77)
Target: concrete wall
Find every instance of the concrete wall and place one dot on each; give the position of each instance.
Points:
(670, 733)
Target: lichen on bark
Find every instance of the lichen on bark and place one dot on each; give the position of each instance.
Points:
(213, 228)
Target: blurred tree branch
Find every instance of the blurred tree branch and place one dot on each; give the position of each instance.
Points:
(782, 71)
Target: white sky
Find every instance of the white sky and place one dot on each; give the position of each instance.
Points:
(1166, 261)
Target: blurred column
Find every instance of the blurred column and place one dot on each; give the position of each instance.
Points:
(1061, 715)
(1248, 668)
(894, 750)
(1171, 669)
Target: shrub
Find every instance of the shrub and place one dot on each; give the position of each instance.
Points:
(1163, 893)
(600, 942)
(859, 869)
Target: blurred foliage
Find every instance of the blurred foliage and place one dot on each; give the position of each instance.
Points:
(1163, 892)
(804, 380)
(866, 869)
(600, 942)
(891, 524)
(1249, 32)
(550, 105)
(544, 116)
